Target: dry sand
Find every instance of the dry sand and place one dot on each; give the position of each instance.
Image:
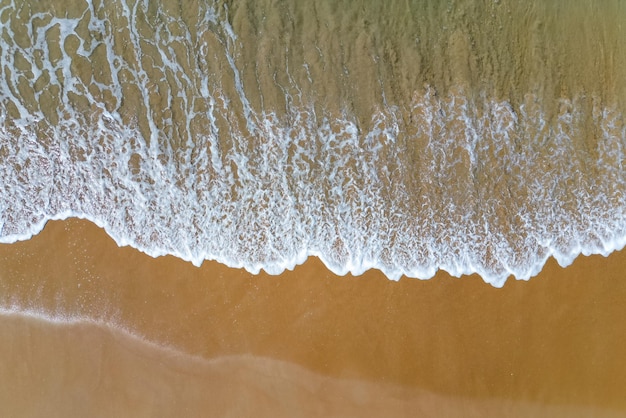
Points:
(129, 335)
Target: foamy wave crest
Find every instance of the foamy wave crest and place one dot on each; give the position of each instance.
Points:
(442, 182)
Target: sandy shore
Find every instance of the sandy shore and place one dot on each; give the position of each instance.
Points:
(111, 331)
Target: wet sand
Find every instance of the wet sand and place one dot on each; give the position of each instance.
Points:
(112, 332)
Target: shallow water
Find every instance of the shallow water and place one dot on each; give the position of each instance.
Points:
(111, 374)
(469, 136)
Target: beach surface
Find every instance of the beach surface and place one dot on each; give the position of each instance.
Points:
(391, 140)
(90, 328)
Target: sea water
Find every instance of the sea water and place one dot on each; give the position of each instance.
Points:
(465, 135)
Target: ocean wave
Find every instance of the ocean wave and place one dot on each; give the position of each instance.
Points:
(171, 158)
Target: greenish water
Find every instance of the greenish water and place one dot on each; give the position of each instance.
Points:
(408, 136)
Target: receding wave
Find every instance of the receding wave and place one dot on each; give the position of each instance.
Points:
(401, 140)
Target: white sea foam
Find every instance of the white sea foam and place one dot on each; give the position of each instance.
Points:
(465, 186)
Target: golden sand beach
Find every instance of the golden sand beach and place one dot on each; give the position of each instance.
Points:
(409, 136)
(109, 331)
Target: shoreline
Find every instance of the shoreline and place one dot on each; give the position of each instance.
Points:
(563, 260)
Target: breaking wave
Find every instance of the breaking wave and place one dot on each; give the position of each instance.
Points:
(147, 125)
